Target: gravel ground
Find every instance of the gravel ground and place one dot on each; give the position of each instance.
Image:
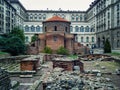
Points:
(109, 67)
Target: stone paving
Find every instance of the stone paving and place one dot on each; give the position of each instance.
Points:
(10, 66)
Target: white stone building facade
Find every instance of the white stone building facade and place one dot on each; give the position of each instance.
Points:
(92, 27)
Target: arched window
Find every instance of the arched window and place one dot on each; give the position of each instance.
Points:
(92, 30)
(81, 29)
(66, 29)
(26, 28)
(81, 39)
(87, 29)
(77, 18)
(55, 28)
(72, 18)
(76, 29)
(26, 39)
(87, 39)
(71, 29)
(44, 17)
(38, 29)
(93, 39)
(80, 17)
(32, 28)
(45, 29)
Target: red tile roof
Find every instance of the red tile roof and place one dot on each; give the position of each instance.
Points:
(56, 18)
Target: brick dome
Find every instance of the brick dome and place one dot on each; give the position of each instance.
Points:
(56, 18)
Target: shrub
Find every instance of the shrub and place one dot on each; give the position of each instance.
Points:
(34, 38)
(47, 50)
(18, 33)
(15, 46)
(62, 51)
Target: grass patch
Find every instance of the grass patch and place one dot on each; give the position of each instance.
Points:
(73, 56)
(110, 66)
(115, 54)
(2, 53)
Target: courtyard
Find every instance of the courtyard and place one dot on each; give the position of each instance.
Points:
(94, 70)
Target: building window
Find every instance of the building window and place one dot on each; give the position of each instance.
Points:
(81, 29)
(55, 38)
(55, 28)
(80, 17)
(87, 29)
(117, 18)
(92, 30)
(73, 18)
(76, 29)
(26, 28)
(71, 29)
(44, 18)
(118, 43)
(32, 29)
(87, 39)
(35, 17)
(118, 7)
(31, 17)
(39, 17)
(93, 39)
(108, 15)
(45, 29)
(26, 39)
(66, 29)
(81, 39)
(118, 34)
(77, 18)
(38, 29)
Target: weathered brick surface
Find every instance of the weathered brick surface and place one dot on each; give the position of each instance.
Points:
(54, 45)
(61, 26)
(29, 65)
(26, 66)
(64, 64)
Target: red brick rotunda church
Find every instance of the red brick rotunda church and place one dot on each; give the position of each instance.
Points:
(56, 33)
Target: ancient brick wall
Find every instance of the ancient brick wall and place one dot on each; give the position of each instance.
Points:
(28, 65)
(54, 44)
(69, 46)
(60, 26)
(64, 64)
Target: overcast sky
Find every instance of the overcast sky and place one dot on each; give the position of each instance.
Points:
(81, 5)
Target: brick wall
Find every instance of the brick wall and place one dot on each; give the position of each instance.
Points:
(61, 26)
(54, 45)
(28, 65)
(64, 64)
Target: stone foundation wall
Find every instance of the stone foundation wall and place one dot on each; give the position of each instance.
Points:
(68, 66)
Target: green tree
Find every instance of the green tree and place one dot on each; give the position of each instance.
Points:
(47, 50)
(62, 51)
(2, 42)
(34, 38)
(18, 32)
(14, 42)
(15, 46)
(107, 46)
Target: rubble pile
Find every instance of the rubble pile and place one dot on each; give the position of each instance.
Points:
(77, 81)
